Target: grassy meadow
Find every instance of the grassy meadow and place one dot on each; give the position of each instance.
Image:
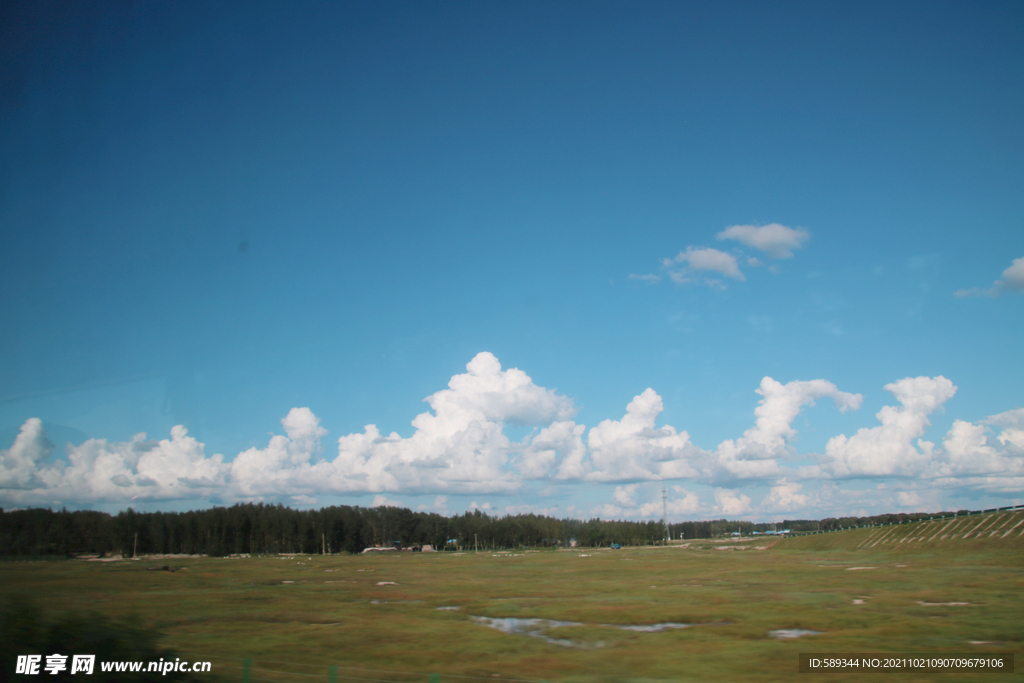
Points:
(377, 616)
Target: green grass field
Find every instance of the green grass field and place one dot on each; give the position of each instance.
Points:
(377, 617)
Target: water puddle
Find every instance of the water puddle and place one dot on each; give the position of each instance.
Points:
(451, 608)
(530, 627)
(537, 627)
(786, 633)
(651, 628)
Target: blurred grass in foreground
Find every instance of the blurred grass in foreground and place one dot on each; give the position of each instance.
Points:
(25, 630)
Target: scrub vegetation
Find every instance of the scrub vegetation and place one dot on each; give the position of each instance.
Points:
(401, 616)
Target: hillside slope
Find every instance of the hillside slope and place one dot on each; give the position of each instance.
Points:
(994, 530)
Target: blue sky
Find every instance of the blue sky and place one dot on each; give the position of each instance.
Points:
(301, 220)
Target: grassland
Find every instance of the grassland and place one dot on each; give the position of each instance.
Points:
(376, 617)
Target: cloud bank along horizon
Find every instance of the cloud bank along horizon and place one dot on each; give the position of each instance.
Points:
(460, 448)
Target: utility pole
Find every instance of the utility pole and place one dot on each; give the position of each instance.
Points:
(664, 516)
(476, 544)
(135, 544)
(323, 539)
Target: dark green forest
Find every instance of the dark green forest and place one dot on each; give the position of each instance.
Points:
(270, 529)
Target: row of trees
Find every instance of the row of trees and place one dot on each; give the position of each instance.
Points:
(269, 529)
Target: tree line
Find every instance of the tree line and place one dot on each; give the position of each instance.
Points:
(271, 529)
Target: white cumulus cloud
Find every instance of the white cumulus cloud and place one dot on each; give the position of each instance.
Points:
(633, 448)
(440, 505)
(560, 442)
(888, 450)
(1011, 281)
(969, 459)
(488, 392)
(785, 497)
(1012, 422)
(732, 502)
(21, 462)
(909, 499)
(102, 471)
(706, 259)
(624, 495)
(285, 464)
(461, 447)
(607, 511)
(753, 456)
(687, 504)
(966, 451)
(1013, 276)
(780, 405)
(776, 240)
